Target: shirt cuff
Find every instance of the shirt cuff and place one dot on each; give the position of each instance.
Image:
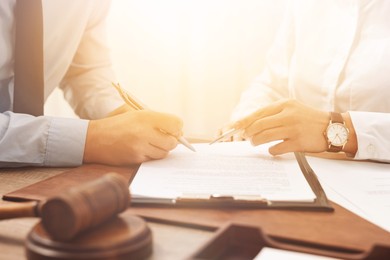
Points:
(66, 142)
(367, 143)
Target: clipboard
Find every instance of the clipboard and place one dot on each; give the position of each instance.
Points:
(320, 203)
(44, 189)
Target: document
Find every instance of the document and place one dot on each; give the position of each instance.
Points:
(235, 169)
(362, 187)
(268, 253)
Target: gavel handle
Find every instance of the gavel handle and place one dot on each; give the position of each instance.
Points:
(19, 210)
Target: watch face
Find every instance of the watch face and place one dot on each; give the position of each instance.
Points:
(337, 134)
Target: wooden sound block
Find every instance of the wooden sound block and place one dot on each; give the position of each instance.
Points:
(123, 237)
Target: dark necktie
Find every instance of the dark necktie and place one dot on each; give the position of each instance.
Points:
(28, 68)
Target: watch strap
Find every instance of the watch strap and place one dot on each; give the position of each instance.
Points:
(335, 118)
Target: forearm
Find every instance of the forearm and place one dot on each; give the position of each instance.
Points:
(41, 141)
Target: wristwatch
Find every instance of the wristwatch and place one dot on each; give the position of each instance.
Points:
(336, 133)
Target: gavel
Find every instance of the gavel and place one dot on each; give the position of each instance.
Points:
(77, 209)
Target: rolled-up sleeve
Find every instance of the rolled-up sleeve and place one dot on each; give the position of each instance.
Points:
(41, 141)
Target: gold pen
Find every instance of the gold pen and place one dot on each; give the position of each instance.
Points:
(137, 105)
(226, 135)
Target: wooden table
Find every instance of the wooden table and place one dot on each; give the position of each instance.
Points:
(169, 242)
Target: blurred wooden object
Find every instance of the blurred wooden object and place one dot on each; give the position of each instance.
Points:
(169, 241)
(240, 241)
(19, 210)
(85, 206)
(77, 209)
(70, 177)
(123, 237)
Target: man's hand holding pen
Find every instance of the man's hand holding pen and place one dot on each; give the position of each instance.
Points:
(135, 104)
(131, 137)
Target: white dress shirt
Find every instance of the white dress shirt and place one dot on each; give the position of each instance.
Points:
(77, 60)
(333, 55)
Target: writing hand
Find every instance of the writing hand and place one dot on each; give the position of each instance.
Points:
(131, 137)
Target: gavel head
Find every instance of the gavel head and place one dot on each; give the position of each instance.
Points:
(85, 206)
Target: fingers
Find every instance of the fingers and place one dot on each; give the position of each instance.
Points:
(269, 110)
(299, 127)
(223, 132)
(235, 136)
(160, 135)
(131, 138)
(146, 150)
(168, 123)
(262, 124)
(163, 141)
(269, 135)
(269, 130)
(283, 147)
(238, 137)
(154, 152)
(160, 130)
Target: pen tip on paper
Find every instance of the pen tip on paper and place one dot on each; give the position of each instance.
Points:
(191, 148)
(186, 143)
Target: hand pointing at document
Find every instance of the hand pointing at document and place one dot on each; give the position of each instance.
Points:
(299, 127)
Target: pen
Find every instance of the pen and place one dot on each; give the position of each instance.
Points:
(137, 105)
(225, 135)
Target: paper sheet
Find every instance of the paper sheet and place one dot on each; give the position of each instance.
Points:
(360, 186)
(228, 169)
(268, 253)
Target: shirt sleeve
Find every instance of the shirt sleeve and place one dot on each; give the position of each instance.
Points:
(87, 84)
(41, 141)
(272, 84)
(373, 132)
